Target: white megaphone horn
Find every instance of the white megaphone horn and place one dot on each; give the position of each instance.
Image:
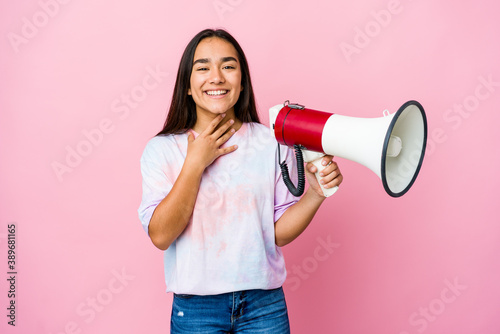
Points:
(392, 146)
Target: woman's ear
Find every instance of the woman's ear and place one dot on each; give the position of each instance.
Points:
(189, 91)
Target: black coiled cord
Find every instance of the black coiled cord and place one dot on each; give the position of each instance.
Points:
(299, 190)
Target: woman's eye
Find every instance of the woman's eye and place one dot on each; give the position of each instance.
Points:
(229, 67)
(202, 69)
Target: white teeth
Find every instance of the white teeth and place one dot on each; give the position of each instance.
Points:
(216, 92)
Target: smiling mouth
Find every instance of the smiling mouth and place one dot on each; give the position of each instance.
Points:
(216, 92)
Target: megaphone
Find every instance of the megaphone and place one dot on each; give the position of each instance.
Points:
(392, 145)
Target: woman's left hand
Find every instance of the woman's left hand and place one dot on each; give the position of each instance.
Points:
(330, 175)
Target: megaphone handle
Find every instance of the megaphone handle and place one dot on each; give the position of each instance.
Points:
(326, 191)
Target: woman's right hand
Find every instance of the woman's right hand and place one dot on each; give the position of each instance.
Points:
(204, 149)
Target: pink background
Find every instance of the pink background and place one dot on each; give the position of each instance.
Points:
(390, 263)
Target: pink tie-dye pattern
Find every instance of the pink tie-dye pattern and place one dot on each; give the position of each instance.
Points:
(228, 244)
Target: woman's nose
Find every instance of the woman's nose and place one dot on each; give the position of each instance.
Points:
(216, 76)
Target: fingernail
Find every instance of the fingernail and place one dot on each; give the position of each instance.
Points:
(322, 182)
(233, 130)
(323, 163)
(223, 115)
(321, 174)
(231, 121)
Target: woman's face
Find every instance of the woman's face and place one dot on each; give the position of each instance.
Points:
(215, 83)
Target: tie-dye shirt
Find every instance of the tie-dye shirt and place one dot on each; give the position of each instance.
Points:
(228, 244)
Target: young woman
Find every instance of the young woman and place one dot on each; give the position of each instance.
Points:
(214, 201)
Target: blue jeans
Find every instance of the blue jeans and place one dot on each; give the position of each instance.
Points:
(251, 311)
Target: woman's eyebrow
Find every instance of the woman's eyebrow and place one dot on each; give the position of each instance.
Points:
(207, 60)
(202, 60)
(226, 59)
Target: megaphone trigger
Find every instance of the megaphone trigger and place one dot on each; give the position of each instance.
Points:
(316, 159)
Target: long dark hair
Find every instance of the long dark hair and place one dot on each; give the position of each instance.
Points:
(182, 113)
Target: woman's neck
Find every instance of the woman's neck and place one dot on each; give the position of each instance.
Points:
(203, 120)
